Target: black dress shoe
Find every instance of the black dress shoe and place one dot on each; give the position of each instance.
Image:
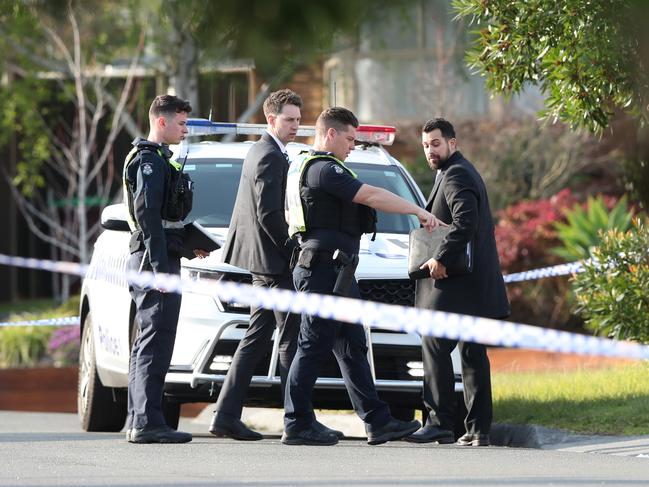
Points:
(231, 427)
(431, 433)
(321, 427)
(309, 436)
(158, 434)
(473, 439)
(395, 429)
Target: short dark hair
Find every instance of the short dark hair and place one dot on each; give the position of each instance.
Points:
(168, 105)
(275, 102)
(338, 118)
(444, 126)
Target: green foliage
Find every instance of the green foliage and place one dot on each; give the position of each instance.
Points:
(572, 49)
(583, 227)
(27, 346)
(23, 346)
(612, 291)
(611, 401)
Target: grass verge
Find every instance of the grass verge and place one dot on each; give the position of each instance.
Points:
(611, 401)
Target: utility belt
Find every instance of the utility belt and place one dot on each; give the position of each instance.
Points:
(345, 265)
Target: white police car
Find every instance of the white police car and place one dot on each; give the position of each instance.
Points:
(209, 329)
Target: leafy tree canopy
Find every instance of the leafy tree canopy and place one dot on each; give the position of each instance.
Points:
(588, 56)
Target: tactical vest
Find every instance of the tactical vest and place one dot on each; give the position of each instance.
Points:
(313, 208)
(178, 193)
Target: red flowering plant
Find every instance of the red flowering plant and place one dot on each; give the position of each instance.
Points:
(525, 235)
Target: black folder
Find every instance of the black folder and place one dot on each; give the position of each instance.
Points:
(424, 245)
(197, 237)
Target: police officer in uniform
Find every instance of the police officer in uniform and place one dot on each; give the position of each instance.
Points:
(158, 197)
(329, 208)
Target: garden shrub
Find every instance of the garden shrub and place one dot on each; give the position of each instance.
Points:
(611, 293)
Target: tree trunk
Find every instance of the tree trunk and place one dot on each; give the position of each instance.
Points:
(184, 66)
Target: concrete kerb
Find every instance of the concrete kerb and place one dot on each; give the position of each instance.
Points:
(270, 422)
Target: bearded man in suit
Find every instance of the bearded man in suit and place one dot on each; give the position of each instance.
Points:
(459, 198)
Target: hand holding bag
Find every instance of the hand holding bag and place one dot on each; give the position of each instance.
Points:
(423, 246)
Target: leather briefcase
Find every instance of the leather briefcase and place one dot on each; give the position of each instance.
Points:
(424, 245)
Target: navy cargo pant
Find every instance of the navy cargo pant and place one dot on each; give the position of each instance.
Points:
(157, 318)
(317, 338)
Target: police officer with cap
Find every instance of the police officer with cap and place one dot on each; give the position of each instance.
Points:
(329, 209)
(158, 197)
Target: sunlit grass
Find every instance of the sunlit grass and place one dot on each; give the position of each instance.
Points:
(604, 401)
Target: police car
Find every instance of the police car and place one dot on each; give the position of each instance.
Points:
(209, 329)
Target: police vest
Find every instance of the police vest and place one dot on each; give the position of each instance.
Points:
(313, 208)
(178, 191)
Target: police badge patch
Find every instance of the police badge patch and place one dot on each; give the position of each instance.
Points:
(147, 169)
(337, 168)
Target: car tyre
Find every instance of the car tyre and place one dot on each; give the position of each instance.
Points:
(99, 408)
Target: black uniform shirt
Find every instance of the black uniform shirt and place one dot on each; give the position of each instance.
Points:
(331, 178)
(147, 174)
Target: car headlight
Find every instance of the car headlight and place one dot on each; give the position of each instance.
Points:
(212, 275)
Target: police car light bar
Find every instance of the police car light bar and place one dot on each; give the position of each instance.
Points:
(376, 134)
(373, 134)
(202, 126)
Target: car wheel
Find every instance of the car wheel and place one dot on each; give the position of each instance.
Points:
(98, 407)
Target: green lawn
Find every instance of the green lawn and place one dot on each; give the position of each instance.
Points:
(592, 401)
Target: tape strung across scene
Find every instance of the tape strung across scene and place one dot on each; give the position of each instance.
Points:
(376, 315)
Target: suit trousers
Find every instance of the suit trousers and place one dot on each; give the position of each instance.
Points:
(317, 338)
(256, 344)
(439, 384)
(157, 319)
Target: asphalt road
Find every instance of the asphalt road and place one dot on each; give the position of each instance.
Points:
(39, 449)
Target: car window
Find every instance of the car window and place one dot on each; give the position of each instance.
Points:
(215, 190)
(390, 178)
(216, 182)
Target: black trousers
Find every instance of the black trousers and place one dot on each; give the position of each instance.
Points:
(256, 344)
(157, 318)
(439, 384)
(317, 338)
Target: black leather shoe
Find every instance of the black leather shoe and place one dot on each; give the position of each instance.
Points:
(473, 439)
(395, 429)
(309, 436)
(231, 427)
(431, 433)
(321, 427)
(158, 434)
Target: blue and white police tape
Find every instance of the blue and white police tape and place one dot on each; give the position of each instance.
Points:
(368, 313)
(553, 271)
(65, 321)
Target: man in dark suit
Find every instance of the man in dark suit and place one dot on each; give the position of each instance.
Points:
(459, 198)
(258, 241)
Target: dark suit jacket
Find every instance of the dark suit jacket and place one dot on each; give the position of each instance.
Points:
(459, 198)
(258, 236)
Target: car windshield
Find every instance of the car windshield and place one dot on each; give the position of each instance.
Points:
(216, 182)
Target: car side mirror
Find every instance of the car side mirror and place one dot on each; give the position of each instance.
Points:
(114, 217)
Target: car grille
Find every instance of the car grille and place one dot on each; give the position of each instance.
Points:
(389, 291)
